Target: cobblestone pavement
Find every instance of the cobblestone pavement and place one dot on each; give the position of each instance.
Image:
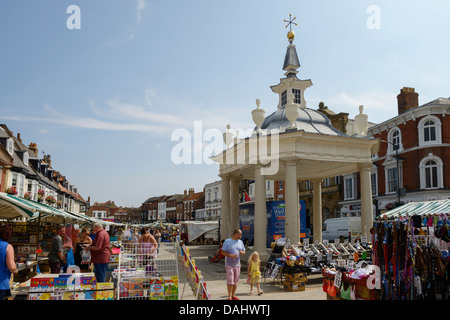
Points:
(214, 275)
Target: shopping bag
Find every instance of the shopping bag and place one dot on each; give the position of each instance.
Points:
(85, 256)
(70, 258)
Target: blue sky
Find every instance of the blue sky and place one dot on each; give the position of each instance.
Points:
(103, 100)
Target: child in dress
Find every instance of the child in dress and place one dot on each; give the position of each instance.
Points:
(254, 273)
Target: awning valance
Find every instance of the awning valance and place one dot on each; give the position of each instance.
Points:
(419, 208)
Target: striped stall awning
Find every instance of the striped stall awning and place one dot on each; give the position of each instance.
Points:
(14, 207)
(419, 208)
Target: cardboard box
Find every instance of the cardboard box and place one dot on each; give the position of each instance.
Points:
(293, 286)
(297, 277)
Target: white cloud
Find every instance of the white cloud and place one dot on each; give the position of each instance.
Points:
(140, 6)
(378, 105)
(159, 114)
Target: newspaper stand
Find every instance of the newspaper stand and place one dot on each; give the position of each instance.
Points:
(144, 274)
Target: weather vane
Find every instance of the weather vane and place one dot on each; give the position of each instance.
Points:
(290, 22)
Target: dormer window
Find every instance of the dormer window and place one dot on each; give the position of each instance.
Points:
(10, 146)
(284, 98)
(25, 158)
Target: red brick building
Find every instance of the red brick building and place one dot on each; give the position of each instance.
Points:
(420, 135)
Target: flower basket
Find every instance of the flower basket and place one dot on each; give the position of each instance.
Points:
(27, 195)
(50, 200)
(12, 191)
(58, 204)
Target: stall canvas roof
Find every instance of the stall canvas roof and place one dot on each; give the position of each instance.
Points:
(419, 208)
(13, 207)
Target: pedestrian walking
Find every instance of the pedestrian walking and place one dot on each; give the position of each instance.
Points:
(232, 249)
(254, 272)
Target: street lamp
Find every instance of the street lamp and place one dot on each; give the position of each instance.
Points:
(396, 146)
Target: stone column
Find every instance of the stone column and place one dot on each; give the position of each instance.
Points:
(292, 215)
(366, 200)
(317, 210)
(234, 204)
(225, 209)
(260, 223)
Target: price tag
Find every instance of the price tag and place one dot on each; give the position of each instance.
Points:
(337, 279)
(350, 264)
(319, 257)
(325, 242)
(341, 262)
(336, 241)
(306, 241)
(364, 239)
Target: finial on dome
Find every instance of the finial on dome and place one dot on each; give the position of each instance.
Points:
(290, 34)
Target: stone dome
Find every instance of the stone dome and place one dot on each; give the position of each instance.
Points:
(308, 120)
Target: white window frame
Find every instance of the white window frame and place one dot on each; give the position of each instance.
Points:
(390, 138)
(392, 164)
(10, 146)
(440, 172)
(438, 130)
(352, 178)
(374, 173)
(26, 157)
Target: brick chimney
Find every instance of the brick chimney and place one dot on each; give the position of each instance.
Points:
(33, 148)
(407, 99)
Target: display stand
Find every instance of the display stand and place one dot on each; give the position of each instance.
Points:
(145, 273)
(274, 269)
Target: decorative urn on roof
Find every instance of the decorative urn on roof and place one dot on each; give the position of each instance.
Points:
(258, 116)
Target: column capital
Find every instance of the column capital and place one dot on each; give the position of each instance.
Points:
(364, 166)
(317, 180)
(224, 176)
(290, 162)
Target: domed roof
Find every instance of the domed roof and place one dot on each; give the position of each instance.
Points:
(308, 120)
